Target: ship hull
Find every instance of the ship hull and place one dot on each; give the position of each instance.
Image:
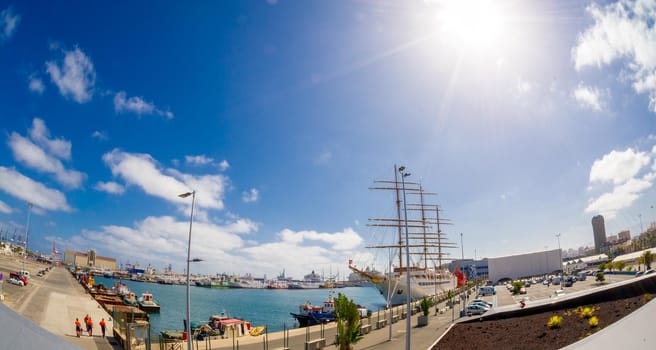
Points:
(395, 289)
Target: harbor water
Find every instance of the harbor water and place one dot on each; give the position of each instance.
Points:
(269, 307)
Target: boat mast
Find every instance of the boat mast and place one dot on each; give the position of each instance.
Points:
(398, 215)
(424, 241)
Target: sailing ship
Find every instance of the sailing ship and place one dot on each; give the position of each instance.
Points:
(418, 237)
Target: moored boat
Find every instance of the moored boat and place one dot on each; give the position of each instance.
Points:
(130, 299)
(147, 303)
(229, 327)
(309, 315)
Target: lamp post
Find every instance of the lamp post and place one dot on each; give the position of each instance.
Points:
(560, 252)
(191, 220)
(407, 263)
(27, 232)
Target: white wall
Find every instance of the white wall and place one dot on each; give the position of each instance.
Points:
(531, 264)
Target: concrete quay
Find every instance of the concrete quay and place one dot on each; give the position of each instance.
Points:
(52, 302)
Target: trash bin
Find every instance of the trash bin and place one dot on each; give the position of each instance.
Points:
(462, 313)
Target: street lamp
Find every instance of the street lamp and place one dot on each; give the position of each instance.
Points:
(191, 220)
(561, 254)
(27, 232)
(407, 262)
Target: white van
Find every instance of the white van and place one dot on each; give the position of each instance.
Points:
(487, 290)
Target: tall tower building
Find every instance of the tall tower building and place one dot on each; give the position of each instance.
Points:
(599, 231)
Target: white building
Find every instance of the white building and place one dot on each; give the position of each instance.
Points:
(524, 265)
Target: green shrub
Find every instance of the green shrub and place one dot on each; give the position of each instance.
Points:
(425, 305)
(555, 321)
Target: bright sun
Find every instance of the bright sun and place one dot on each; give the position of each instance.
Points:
(472, 24)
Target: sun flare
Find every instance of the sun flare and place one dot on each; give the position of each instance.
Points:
(472, 24)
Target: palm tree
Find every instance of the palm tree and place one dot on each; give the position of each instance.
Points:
(640, 261)
(450, 295)
(602, 266)
(648, 257)
(620, 265)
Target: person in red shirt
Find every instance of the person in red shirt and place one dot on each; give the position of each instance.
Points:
(78, 327)
(90, 327)
(102, 326)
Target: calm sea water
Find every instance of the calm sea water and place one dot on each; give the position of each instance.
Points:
(259, 306)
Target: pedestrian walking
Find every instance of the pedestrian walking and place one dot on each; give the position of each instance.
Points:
(102, 326)
(78, 327)
(90, 326)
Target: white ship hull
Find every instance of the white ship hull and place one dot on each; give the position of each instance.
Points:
(394, 288)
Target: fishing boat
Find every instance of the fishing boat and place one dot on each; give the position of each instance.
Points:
(147, 303)
(309, 315)
(425, 245)
(130, 299)
(229, 327)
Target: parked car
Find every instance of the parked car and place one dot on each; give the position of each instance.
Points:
(568, 281)
(649, 271)
(486, 306)
(489, 304)
(522, 290)
(475, 310)
(559, 293)
(487, 290)
(16, 281)
(17, 276)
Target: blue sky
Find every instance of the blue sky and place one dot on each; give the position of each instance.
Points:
(527, 118)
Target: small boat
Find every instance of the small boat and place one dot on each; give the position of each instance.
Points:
(147, 303)
(229, 327)
(258, 330)
(309, 315)
(130, 299)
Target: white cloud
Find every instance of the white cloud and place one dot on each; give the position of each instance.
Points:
(589, 97)
(622, 30)
(5, 209)
(36, 84)
(224, 165)
(164, 239)
(28, 190)
(75, 76)
(198, 160)
(144, 172)
(251, 196)
(523, 86)
(345, 240)
(624, 171)
(618, 167)
(42, 157)
(8, 23)
(110, 187)
(137, 105)
(619, 198)
(323, 158)
(99, 135)
(41, 135)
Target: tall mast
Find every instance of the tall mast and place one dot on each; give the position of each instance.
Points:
(398, 214)
(425, 238)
